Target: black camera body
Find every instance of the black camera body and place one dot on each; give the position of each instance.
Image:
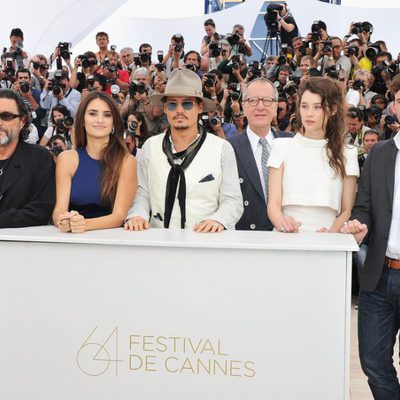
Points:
(132, 127)
(358, 84)
(55, 83)
(215, 49)
(390, 119)
(64, 50)
(56, 150)
(86, 62)
(328, 47)
(161, 67)
(353, 51)
(271, 17)
(210, 80)
(111, 67)
(24, 87)
(136, 87)
(233, 39)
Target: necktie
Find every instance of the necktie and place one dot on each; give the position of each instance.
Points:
(266, 149)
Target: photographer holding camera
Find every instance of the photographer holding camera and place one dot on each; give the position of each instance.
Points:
(212, 85)
(57, 90)
(215, 122)
(243, 46)
(137, 100)
(31, 98)
(286, 24)
(85, 65)
(61, 124)
(56, 146)
(211, 37)
(173, 58)
(17, 44)
(192, 61)
(7, 70)
(110, 70)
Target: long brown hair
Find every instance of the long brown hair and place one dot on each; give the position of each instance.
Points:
(332, 101)
(113, 154)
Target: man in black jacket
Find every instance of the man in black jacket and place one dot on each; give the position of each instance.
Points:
(27, 188)
(377, 211)
(252, 149)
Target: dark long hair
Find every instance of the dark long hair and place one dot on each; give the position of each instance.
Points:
(113, 154)
(332, 102)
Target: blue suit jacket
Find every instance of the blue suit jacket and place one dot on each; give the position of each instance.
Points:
(255, 208)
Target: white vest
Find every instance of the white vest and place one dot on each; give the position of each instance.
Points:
(202, 198)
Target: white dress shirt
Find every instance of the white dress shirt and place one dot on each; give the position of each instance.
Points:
(393, 249)
(257, 150)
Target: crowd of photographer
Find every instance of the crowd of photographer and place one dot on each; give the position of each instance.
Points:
(53, 87)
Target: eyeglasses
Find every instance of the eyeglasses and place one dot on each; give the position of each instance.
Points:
(267, 101)
(186, 104)
(7, 116)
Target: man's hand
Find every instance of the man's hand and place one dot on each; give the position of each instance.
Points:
(355, 227)
(210, 226)
(136, 223)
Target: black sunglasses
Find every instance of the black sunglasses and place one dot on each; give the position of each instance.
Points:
(8, 116)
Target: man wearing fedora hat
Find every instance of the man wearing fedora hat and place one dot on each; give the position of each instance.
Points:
(187, 177)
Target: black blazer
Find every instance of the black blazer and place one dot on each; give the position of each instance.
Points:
(373, 206)
(255, 208)
(27, 196)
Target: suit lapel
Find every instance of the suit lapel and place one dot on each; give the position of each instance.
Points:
(390, 169)
(14, 170)
(245, 154)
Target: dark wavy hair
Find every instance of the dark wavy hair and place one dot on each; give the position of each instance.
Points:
(22, 110)
(113, 154)
(332, 101)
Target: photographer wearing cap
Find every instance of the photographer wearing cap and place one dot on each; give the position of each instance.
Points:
(27, 187)
(187, 177)
(57, 90)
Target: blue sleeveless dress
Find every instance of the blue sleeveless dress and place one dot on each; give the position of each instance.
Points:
(86, 188)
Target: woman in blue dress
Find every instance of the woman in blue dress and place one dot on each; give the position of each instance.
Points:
(97, 182)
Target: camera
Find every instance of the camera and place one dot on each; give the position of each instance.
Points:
(86, 63)
(178, 38)
(160, 56)
(24, 87)
(64, 50)
(361, 27)
(210, 80)
(281, 60)
(111, 67)
(90, 82)
(390, 119)
(374, 111)
(233, 39)
(64, 123)
(136, 59)
(132, 126)
(55, 83)
(9, 70)
(353, 51)
(358, 84)
(136, 87)
(215, 49)
(333, 72)
(214, 121)
(191, 67)
(145, 58)
(290, 89)
(56, 150)
(372, 51)
(271, 17)
(327, 46)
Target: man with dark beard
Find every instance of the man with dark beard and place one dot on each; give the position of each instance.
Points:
(187, 177)
(27, 189)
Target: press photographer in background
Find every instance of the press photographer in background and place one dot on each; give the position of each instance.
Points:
(7, 70)
(285, 23)
(57, 90)
(56, 146)
(214, 122)
(112, 72)
(31, 98)
(85, 65)
(16, 47)
(137, 100)
(136, 133)
(211, 37)
(173, 58)
(61, 124)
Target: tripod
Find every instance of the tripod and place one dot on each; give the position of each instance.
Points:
(269, 45)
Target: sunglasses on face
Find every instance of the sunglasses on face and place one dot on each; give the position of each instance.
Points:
(173, 105)
(8, 116)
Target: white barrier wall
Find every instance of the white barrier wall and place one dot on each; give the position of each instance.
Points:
(174, 315)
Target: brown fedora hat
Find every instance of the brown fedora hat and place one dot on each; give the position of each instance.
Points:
(186, 83)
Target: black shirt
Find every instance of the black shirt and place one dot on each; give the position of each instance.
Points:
(287, 37)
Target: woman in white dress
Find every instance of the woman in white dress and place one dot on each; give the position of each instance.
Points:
(312, 176)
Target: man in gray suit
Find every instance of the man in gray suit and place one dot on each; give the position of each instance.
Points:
(252, 149)
(377, 211)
